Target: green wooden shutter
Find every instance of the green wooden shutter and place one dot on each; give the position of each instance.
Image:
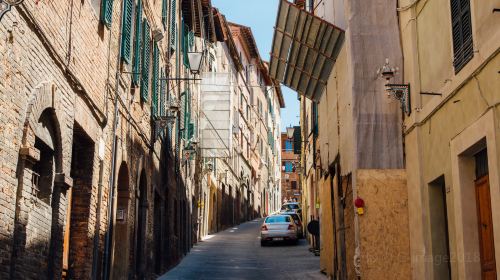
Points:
(126, 30)
(164, 14)
(137, 45)
(106, 12)
(146, 58)
(154, 85)
(162, 93)
(190, 133)
(182, 111)
(187, 113)
(173, 24)
(184, 44)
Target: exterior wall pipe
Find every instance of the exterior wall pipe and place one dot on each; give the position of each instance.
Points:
(95, 253)
(111, 197)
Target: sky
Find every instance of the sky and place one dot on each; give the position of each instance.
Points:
(260, 16)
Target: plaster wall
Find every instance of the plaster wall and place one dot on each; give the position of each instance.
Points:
(438, 121)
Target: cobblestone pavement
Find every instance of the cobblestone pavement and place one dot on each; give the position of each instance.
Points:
(236, 254)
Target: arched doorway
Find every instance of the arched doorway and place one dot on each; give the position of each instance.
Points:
(121, 249)
(142, 208)
(49, 196)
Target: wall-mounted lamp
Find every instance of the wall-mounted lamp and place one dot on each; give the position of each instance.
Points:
(399, 92)
(195, 59)
(161, 122)
(157, 35)
(5, 6)
(289, 132)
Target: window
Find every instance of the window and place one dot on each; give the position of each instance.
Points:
(277, 219)
(164, 14)
(106, 12)
(314, 119)
(288, 145)
(155, 81)
(294, 185)
(173, 24)
(136, 67)
(462, 33)
(146, 59)
(126, 30)
(288, 166)
(211, 63)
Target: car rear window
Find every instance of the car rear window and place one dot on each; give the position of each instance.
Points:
(293, 206)
(278, 219)
(295, 217)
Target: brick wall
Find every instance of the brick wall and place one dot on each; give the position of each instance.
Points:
(62, 44)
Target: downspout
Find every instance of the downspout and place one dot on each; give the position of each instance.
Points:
(95, 253)
(111, 186)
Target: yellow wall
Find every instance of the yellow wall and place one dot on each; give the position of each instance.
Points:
(436, 121)
(326, 228)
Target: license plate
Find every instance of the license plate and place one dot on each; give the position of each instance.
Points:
(278, 238)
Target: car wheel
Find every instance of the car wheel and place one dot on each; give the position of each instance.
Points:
(262, 243)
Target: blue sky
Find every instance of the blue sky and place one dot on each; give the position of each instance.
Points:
(260, 15)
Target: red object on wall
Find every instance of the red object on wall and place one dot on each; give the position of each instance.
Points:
(359, 202)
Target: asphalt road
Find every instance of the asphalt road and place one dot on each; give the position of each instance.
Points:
(236, 254)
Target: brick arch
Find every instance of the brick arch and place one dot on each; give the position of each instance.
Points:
(44, 98)
(42, 106)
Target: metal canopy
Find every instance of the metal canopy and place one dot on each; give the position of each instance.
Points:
(304, 50)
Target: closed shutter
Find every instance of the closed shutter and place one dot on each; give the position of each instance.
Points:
(164, 14)
(162, 93)
(146, 58)
(126, 30)
(107, 12)
(187, 113)
(184, 44)
(154, 81)
(462, 33)
(190, 133)
(137, 45)
(182, 111)
(173, 24)
(315, 118)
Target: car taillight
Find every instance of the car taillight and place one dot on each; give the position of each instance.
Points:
(290, 227)
(264, 227)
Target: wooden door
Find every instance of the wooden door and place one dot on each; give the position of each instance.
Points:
(485, 224)
(67, 227)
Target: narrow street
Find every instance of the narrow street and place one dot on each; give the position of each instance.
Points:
(236, 254)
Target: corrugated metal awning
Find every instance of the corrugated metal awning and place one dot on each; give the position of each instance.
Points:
(305, 48)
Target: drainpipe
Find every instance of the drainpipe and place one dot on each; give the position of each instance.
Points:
(95, 253)
(112, 194)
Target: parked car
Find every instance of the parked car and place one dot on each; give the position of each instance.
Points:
(298, 222)
(278, 228)
(291, 207)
